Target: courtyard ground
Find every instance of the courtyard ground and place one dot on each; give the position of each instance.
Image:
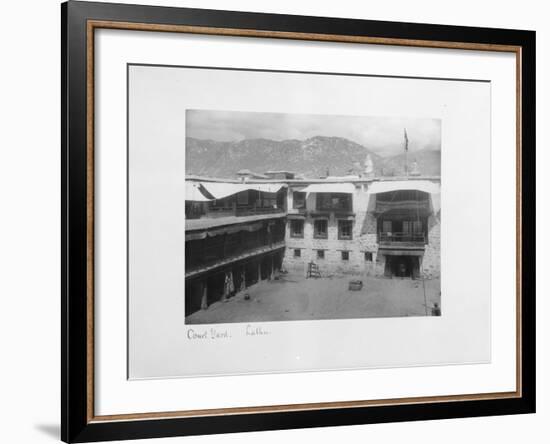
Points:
(294, 297)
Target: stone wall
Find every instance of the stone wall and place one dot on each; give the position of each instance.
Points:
(431, 262)
(364, 240)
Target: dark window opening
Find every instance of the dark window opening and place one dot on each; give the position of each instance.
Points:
(267, 200)
(320, 254)
(297, 252)
(194, 210)
(403, 229)
(242, 198)
(296, 228)
(334, 202)
(298, 200)
(320, 229)
(368, 256)
(345, 228)
(345, 255)
(225, 204)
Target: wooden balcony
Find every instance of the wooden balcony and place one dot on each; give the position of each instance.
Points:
(251, 211)
(402, 240)
(241, 211)
(216, 259)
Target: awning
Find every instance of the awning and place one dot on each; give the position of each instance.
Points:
(206, 223)
(193, 193)
(347, 188)
(223, 230)
(220, 190)
(234, 229)
(396, 185)
(433, 189)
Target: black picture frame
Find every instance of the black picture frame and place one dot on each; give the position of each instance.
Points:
(77, 425)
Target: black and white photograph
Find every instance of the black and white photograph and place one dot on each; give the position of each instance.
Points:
(310, 217)
(272, 221)
(274, 207)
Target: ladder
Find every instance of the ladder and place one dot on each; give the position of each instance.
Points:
(313, 270)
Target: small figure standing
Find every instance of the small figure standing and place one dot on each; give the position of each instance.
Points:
(228, 286)
(402, 270)
(436, 310)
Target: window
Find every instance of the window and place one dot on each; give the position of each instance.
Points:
(345, 255)
(417, 226)
(320, 254)
(297, 252)
(368, 256)
(386, 226)
(297, 228)
(334, 201)
(320, 227)
(298, 200)
(345, 228)
(268, 200)
(242, 198)
(220, 204)
(412, 231)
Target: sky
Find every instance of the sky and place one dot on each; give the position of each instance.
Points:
(384, 135)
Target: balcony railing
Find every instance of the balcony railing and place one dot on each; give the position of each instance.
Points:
(241, 211)
(334, 209)
(250, 211)
(216, 256)
(402, 238)
(219, 212)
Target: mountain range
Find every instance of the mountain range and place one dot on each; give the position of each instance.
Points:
(311, 158)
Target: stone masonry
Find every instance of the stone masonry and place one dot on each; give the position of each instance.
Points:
(364, 240)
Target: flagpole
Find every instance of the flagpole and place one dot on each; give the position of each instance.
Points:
(407, 163)
(406, 153)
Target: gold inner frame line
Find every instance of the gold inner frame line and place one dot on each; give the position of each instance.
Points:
(92, 25)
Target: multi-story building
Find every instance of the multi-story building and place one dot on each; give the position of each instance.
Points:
(240, 233)
(234, 237)
(385, 226)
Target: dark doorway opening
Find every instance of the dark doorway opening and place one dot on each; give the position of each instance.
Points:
(402, 266)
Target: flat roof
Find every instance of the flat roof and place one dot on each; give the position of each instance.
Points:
(296, 181)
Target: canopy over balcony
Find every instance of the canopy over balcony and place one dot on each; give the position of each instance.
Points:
(193, 193)
(424, 186)
(347, 188)
(220, 190)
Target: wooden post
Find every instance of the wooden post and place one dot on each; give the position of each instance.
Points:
(269, 236)
(272, 271)
(243, 279)
(204, 299)
(259, 270)
(224, 293)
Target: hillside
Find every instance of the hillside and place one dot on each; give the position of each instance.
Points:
(311, 157)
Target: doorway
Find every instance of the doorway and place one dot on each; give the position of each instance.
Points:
(402, 266)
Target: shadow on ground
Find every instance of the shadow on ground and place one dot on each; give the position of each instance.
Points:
(51, 430)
